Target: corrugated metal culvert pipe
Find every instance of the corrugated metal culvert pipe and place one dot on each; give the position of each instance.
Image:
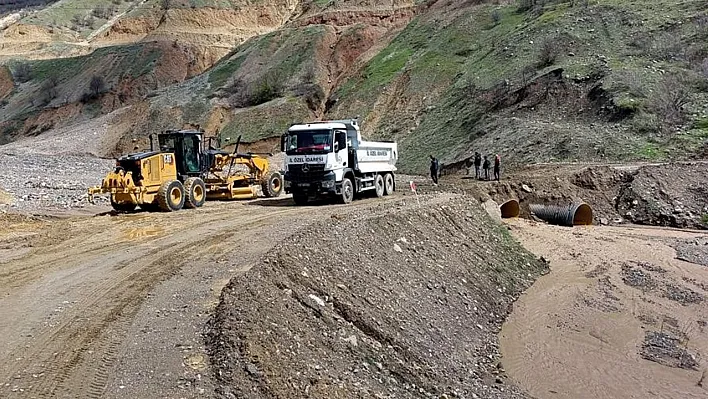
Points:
(571, 215)
(510, 209)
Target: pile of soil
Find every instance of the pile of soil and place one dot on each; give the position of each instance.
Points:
(673, 195)
(402, 301)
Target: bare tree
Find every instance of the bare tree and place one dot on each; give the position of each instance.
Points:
(48, 90)
(97, 85)
(669, 101)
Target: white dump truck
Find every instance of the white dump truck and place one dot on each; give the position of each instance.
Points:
(330, 159)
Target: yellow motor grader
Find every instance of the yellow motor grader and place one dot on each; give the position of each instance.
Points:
(184, 172)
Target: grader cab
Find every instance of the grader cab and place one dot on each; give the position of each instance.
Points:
(184, 172)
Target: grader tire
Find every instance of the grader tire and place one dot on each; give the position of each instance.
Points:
(123, 206)
(194, 192)
(272, 185)
(170, 197)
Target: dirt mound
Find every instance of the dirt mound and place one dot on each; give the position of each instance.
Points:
(650, 194)
(398, 301)
(672, 195)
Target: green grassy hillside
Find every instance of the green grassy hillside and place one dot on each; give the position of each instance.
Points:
(559, 80)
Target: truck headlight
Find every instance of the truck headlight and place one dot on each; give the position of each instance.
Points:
(328, 184)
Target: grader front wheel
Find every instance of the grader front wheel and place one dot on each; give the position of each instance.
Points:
(195, 192)
(171, 196)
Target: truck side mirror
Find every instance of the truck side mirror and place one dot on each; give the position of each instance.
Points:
(336, 146)
(283, 138)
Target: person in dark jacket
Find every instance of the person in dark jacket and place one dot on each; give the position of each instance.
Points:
(434, 169)
(486, 165)
(477, 165)
(497, 167)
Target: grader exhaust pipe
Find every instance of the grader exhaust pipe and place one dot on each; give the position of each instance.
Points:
(577, 214)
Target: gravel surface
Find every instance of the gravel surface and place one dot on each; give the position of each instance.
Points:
(666, 349)
(50, 182)
(694, 250)
(402, 301)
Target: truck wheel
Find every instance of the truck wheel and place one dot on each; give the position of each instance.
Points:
(194, 192)
(123, 206)
(170, 197)
(379, 186)
(272, 185)
(300, 199)
(347, 191)
(389, 185)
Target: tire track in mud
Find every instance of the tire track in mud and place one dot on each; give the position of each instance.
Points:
(73, 358)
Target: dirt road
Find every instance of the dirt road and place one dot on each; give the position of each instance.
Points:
(114, 306)
(618, 316)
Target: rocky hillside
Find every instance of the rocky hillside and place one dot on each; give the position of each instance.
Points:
(531, 80)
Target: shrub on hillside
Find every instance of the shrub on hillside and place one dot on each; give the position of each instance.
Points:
(669, 100)
(668, 46)
(312, 93)
(525, 5)
(549, 52)
(248, 94)
(703, 68)
(97, 86)
(48, 90)
(22, 72)
(496, 16)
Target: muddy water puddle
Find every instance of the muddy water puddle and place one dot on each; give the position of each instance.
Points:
(618, 316)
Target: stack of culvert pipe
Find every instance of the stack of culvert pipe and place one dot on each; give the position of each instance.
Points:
(570, 215)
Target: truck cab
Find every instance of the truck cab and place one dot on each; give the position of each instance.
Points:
(330, 159)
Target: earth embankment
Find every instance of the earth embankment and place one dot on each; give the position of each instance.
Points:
(402, 300)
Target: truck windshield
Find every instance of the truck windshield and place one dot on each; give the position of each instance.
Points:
(309, 142)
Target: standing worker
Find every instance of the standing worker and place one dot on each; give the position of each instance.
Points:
(497, 167)
(477, 165)
(434, 169)
(486, 165)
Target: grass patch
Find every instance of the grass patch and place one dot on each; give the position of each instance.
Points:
(651, 152)
(701, 124)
